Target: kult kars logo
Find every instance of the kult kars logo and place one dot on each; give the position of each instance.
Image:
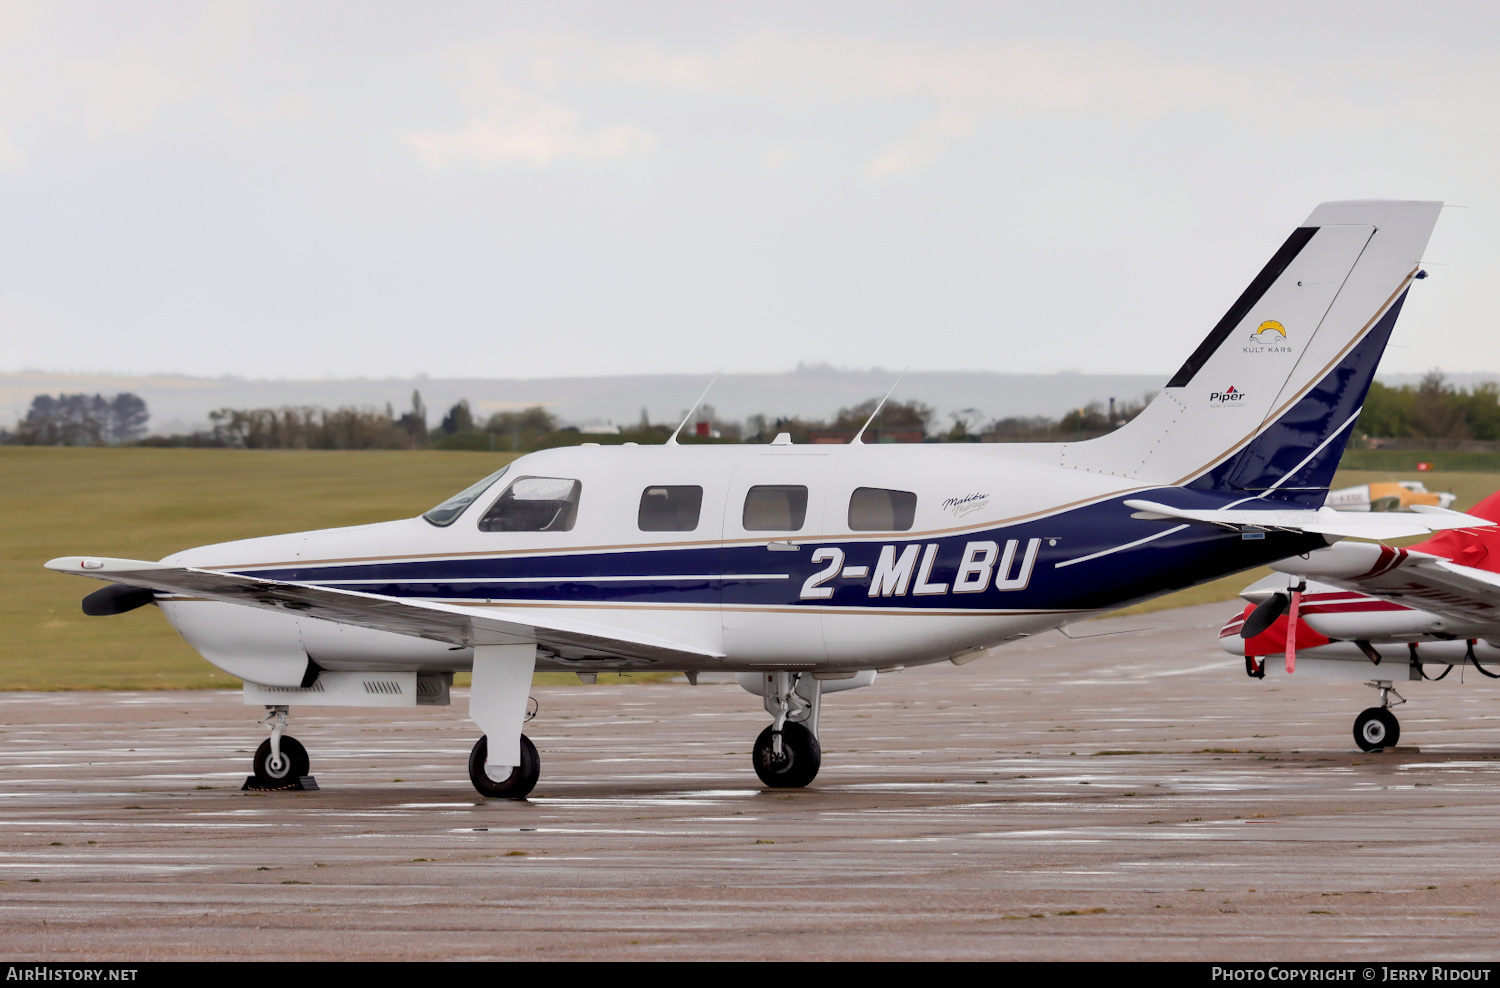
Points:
(1269, 337)
(1228, 396)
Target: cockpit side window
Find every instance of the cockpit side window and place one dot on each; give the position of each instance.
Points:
(670, 509)
(534, 504)
(874, 509)
(775, 508)
(447, 513)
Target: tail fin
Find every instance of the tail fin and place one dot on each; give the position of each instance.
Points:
(1265, 404)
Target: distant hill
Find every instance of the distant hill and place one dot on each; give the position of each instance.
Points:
(181, 404)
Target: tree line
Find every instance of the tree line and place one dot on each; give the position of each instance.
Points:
(94, 420)
(81, 420)
(1433, 409)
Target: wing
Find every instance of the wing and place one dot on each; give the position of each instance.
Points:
(1416, 579)
(454, 624)
(1423, 520)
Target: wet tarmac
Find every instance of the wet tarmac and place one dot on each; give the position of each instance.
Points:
(1124, 796)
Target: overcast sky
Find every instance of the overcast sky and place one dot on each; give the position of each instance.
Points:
(524, 190)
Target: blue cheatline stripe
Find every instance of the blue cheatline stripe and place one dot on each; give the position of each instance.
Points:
(597, 579)
(1136, 559)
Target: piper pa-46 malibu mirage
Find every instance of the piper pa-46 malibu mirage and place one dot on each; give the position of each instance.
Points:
(1374, 613)
(808, 569)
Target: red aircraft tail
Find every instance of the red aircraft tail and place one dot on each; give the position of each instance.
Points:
(1476, 547)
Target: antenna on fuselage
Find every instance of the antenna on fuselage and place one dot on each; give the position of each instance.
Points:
(672, 440)
(878, 408)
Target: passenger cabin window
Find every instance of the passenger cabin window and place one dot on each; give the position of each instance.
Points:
(670, 509)
(534, 504)
(873, 509)
(447, 513)
(775, 508)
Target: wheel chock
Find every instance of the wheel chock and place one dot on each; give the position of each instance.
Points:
(306, 783)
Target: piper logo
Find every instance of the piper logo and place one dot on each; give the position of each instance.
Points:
(1228, 396)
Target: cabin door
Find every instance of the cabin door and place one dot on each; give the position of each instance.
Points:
(775, 506)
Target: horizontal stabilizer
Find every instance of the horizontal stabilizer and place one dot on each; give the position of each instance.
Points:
(451, 623)
(1319, 521)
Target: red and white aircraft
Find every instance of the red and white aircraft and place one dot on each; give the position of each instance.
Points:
(1376, 613)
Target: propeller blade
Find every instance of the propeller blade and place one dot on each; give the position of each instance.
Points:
(1291, 631)
(1264, 615)
(117, 598)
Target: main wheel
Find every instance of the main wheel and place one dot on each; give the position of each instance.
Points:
(294, 762)
(522, 778)
(801, 757)
(1376, 728)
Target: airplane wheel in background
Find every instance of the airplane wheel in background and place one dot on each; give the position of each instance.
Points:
(294, 762)
(522, 779)
(1375, 728)
(801, 757)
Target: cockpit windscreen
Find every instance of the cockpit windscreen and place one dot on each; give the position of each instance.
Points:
(447, 513)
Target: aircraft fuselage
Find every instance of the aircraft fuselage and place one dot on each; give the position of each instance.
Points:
(946, 536)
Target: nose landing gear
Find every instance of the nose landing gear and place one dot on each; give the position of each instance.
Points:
(1376, 727)
(280, 762)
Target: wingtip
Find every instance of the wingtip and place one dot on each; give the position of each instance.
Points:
(101, 566)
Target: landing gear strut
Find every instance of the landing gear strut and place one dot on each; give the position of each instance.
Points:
(1376, 727)
(787, 754)
(280, 761)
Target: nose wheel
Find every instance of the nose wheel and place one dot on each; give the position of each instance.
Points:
(1376, 728)
(272, 771)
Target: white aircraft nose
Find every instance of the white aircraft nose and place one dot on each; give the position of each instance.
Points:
(1344, 559)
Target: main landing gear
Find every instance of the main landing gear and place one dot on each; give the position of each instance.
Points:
(787, 754)
(504, 763)
(280, 762)
(1376, 727)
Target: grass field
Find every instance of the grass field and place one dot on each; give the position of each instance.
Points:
(1406, 461)
(145, 503)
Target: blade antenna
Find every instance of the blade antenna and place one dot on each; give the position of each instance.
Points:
(878, 408)
(672, 440)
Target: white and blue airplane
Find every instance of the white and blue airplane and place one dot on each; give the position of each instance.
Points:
(808, 569)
